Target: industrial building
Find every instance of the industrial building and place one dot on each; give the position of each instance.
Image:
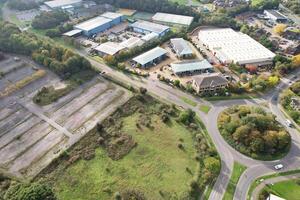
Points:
(63, 4)
(100, 23)
(149, 27)
(170, 19)
(209, 83)
(231, 46)
(181, 47)
(151, 57)
(191, 67)
(116, 18)
(150, 36)
(132, 42)
(109, 48)
(275, 16)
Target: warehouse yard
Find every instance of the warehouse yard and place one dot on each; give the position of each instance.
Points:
(32, 136)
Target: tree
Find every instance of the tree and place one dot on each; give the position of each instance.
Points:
(257, 145)
(34, 191)
(279, 28)
(273, 80)
(241, 133)
(143, 91)
(110, 60)
(296, 61)
(283, 139)
(187, 116)
(213, 165)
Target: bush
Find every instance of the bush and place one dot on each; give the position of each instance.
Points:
(34, 191)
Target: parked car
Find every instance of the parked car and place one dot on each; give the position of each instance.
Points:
(278, 167)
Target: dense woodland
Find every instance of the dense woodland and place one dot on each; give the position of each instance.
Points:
(47, 20)
(60, 60)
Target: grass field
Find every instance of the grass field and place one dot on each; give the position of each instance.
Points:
(257, 182)
(204, 108)
(287, 189)
(189, 101)
(181, 2)
(155, 166)
(238, 169)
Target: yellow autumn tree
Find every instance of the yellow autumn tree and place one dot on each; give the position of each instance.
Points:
(279, 28)
(296, 61)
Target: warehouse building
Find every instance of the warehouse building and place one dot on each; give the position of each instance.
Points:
(171, 19)
(230, 46)
(209, 83)
(146, 27)
(109, 48)
(150, 36)
(191, 67)
(181, 47)
(116, 18)
(132, 42)
(275, 16)
(100, 23)
(152, 57)
(63, 4)
(94, 26)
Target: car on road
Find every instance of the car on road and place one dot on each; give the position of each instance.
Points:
(278, 167)
(289, 123)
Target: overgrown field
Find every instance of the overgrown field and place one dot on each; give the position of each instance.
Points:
(145, 150)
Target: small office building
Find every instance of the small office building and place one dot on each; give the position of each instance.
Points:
(209, 83)
(63, 4)
(152, 57)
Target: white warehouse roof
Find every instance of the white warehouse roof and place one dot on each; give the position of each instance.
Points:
(61, 3)
(150, 36)
(149, 26)
(110, 48)
(171, 18)
(150, 55)
(132, 42)
(72, 32)
(92, 23)
(111, 15)
(231, 46)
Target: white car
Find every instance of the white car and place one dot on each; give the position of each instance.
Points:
(289, 123)
(278, 167)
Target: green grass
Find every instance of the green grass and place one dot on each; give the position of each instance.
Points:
(220, 98)
(189, 101)
(204, 108)
(257, 182)
(286, 189)
(155, 164)
(238, 169)
(180, 2)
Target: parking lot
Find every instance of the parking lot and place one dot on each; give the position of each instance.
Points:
(32, 136)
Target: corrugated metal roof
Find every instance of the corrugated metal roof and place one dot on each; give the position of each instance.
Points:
(181, 46)
(61, 3)
(150, 36)
(110, 48)
(149, 26)
(192, 65)
(72, 32)
(111, 15)
(132, 42)
(171, 18)
(150, 55)
(92, 23)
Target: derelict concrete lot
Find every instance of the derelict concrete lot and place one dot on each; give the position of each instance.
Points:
(32, 136)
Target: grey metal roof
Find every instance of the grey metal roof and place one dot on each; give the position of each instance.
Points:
(92, 23)
(181, 46)
(191, 65)
(276, 14)
(210, 80)
(111, 15)
(72, 32)
(150, 55)
(149, 26)
(171, 18)
(110, 48)
(61, 3)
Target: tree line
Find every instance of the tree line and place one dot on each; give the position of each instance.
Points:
(22, 4)
(60, 60)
